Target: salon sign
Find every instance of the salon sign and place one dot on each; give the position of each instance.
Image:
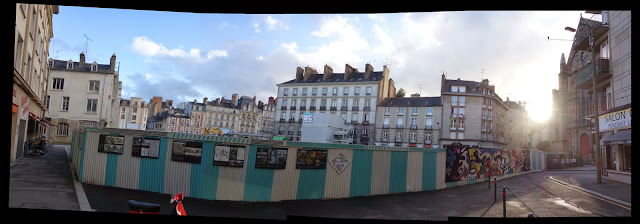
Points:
(615, 120)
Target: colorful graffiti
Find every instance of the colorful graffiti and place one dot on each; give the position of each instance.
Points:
(466, 163)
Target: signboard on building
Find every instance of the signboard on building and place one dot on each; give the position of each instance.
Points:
(307, 117)
(615, 120)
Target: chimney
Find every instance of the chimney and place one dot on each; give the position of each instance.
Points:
(112, 65)
(392, 89)
(299, 74)
(442, 82)
(271, 100)
(81, 59)
(415, 95)
(309, 72)
(485, 82)
(348, 70)
(170, 103)
(205, 100)
(368, 70)
(234, 99)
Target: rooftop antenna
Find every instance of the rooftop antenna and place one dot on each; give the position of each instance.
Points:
(420, 88)
(86, 44)
(482, 74)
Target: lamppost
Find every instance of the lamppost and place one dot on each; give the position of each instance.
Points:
(596, 143)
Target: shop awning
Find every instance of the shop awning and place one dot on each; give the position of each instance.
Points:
(49, 123)
(620, 137)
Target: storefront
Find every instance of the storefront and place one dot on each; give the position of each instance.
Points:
(26, 122)
(615, 128)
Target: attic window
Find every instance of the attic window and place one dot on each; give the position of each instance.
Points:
(94, 67)
(70, 65)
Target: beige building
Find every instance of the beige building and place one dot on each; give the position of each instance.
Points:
(221, 113)
(132, 114)
(472, 114)
(517, 130)
(81, 95)
(33, 33)
(267, 121)
(409, 122)
(250, 116)
(351, 95)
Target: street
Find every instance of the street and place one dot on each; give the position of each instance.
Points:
(539, 193)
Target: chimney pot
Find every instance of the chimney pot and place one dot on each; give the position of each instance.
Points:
(81, 59)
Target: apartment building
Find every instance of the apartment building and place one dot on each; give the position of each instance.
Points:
(612, 55)
(351, 95)
(250, 116)
(132, 114)
(33, 33)
(267, 118)
(81, 95)
(221, 113)
(517, 130)
(409, 122)
(472, 114)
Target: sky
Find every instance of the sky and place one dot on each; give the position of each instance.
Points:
(185, 56)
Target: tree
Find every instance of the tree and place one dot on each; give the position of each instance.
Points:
(543, 145)
(401, 93)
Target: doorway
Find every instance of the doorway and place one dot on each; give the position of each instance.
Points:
(585, 147)
(20, 149)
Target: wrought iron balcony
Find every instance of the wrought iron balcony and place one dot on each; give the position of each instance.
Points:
(289, 132)
(344, 108)
(584, 76)
(385, 140)
(399, 126)
(413, 141)
(333, 108)
(312, 108)
(282, 120)
(365, 123)
(428, 127)
(323, 108)
(413, 127)
(366, 109)
(355, 108)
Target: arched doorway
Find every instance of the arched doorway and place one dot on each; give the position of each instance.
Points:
(585, 147)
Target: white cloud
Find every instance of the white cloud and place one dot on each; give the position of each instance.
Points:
(256, 27)
(145, 46)
(273, 23)
(376, 17)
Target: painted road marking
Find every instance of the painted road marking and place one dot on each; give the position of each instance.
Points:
(593, 194)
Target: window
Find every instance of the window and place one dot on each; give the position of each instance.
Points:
(356, 102)
(304, 91)
(356, 91)
(69, 65)
(399, 122)
(345, 103)
(414, 110)
(284, 103)
(334, 103)
(286, 91)
(314, 91)
(133, 117)
(454, 89)
(293, 102)
(295, 91)
(122, 117)
(303, 103)
(135, 110)
(324, 91)
(385, 134)
(92, 105)
(354, 117)
(313, 103)
(385, 122)
(94, 86)
(460, 135)
(400, 110)
(323, 103)
(604, 52)
(368, 91)
(346, 91)
(429, 123)
(429, 111)
(461, 111)
(454, 100)
(32, 26)
(462, 89)
(452, 135)
(27, 75)
(427, 137)
(344, 116)
(94, 67)
(58, 83)
(335, 91)
(65, 103)
(414, 121)
(18, 59)
(63, 129)
(461, 98)
(123, 109)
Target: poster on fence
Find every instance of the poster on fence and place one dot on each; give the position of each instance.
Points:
(145, 147)
(187, 151)
(271, 158)
(311, 159)
(111, 143)
(229, 155)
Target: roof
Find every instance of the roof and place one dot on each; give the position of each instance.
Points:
(472, 87)
(411, 102)
(512, 105)
(226, 104)
(62, 65)
(339, 77)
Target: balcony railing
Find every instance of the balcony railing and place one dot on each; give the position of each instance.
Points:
(312, 108)
(344, 108)
(428, 127)
(303, 107)
(398, 140)
(365, 123)
(399, 126)
(413, 141)
(413, 127)
(323, 108)
(283, 108)
(385, 126)
(290, 132)
(385, 140)
(427, 141)
(292, 121)
(282, 120)
(281, 132)
(333, 108)
(292, 108)
(366, 109)
(355, 108)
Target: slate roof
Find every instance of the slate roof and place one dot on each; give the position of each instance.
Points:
(226, 104)
(339, 77)
(62, 65)
(411, 102)
(471, 86)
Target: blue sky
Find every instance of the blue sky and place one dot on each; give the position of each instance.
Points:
(186, 56)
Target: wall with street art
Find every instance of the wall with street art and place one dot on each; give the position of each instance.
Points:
(472, 163)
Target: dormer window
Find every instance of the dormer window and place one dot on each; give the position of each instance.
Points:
(70, 65)
(50, 63)
(94, 67)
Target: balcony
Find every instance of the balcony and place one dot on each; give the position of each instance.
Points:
(581, 38)
(366, 109)
(385, 140)
(292, 121)
(283, 108)
(398, 139)
(365, 123)
(323, 108)
(292, 108)
(289, 132)
(584, 76)
(355, 108)
(333, 108)
(427, 141)
(428, 127)
(281, 132)
(385, 126)
(303, 107)
(413, 127)
(300, 121)
(412, 141)
(354, 122)
(344, 108)
(299, 133)
(312, 108)
(282, 120)
(399, 126)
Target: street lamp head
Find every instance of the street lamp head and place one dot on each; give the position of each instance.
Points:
(570, 29)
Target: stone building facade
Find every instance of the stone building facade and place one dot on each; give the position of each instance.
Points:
(133, 114)
(409, 122)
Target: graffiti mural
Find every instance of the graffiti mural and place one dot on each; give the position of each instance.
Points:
(469, 163)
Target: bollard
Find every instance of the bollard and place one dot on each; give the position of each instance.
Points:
(495, 189)
(504, 202)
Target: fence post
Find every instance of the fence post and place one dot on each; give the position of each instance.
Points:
(489, 173)
(495, 189)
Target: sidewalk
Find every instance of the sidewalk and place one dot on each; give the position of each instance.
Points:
(45, 182)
